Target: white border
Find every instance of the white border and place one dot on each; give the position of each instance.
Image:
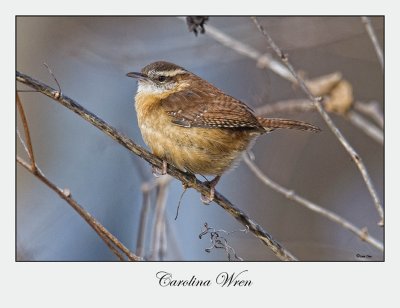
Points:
(275, 284)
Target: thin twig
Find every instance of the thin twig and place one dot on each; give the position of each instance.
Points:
(162, 251)
(174, 241)
(317, 102)
(143, 221)
(147, 187)
(54, 77)
(26, 131)
(26, 149)
(371, 130)
(371, 32)
(109, 244)
(180, 201)
(23, 144)
(371, 109)
(130, 255)
(187, 179)
(105, 235)
(291, 195)
(159, 219)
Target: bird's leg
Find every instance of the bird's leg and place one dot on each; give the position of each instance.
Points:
(164, 167)
(157, 171)
(211, 184)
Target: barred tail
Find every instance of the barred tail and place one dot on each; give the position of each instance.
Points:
(271, 124)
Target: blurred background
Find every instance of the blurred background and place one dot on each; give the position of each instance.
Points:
(90, 57)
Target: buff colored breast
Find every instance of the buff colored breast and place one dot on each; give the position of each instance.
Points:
(207, 151)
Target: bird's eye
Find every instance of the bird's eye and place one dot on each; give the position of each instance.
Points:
(161, 78)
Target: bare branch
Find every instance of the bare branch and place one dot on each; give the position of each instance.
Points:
(291, 195)
(29, 148)
(159, 218)
(180, 201)
(105, 235)
(163, 241)
(371, 109)
(23, 144)
(26, 149)
(317, 102)
(369, 129)
(143, 221)
(371, 32)
(189, 180)
(147, 187)
(109, 244)
(54, 77)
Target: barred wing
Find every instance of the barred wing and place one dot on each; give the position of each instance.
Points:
(209, 109)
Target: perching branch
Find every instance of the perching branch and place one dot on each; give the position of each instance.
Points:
(370, 30)
(187, 179)
(291, 195)
(317, 103)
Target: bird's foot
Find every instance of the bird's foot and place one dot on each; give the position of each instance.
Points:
(157, 171)
(207, 199)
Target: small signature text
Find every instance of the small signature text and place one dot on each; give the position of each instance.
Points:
(360, 256)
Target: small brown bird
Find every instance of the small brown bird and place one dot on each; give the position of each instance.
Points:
(194, 126)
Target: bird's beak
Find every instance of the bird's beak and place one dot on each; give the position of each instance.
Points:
(137, 75)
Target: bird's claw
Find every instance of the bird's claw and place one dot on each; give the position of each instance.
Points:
(157, 172)
(207, 199)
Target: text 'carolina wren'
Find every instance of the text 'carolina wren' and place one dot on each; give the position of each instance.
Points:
(194, 126)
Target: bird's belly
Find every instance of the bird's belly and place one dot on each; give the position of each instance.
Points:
(198, 150)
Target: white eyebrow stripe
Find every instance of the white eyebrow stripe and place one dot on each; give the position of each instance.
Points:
(170, 73)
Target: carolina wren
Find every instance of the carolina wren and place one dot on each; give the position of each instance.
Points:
(194, 126)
